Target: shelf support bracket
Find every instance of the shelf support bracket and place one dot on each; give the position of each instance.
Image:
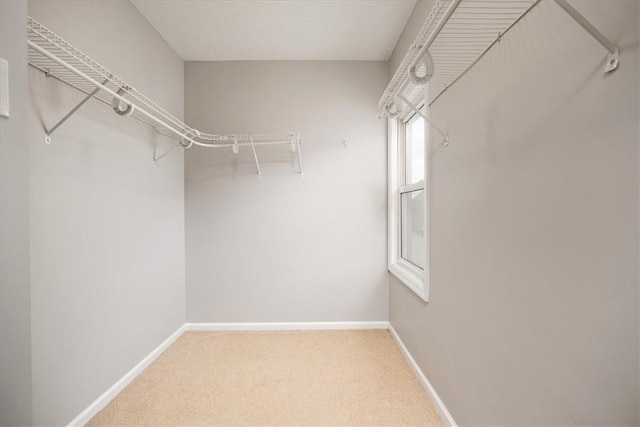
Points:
(426, 119)
(299, 156)
(48, 132)
(255, 155)
(156, 159)
(614, 52)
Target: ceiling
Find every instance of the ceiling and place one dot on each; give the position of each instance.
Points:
(226, 30)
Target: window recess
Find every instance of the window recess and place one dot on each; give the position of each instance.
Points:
(455, 35)
(408, 192)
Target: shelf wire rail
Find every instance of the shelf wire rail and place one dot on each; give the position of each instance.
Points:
(455, 35)
(58, 59)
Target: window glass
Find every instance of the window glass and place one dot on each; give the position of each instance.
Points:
(414, 150)
(413, 245)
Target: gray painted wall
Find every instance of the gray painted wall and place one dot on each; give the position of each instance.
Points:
(281, 248)
(15, 335)
(533, 317)
(107, 229)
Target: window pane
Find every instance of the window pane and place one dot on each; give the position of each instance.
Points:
(414, 150)
(412, 227)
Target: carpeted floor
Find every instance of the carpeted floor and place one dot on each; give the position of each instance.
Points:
(275, 378)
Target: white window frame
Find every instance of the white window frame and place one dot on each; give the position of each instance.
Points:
(413, 277)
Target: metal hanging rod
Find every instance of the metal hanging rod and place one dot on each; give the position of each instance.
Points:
(56, 58)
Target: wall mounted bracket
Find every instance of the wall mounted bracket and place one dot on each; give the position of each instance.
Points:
(157, 158)
(298, 142)
(48, 132)
(426, 119)
(255, 156)
(614, 52)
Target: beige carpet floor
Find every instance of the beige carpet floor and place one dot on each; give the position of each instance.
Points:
(307, 378)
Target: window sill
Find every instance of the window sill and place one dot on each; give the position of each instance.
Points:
(411, 276)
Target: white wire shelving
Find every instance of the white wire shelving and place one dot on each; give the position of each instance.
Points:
(455, 35)
(61, 61)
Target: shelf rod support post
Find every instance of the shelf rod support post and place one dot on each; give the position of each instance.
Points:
(614, 52)
(255, 155)
(298, 143)
(157, 158)
(48, 132)
(426, 119)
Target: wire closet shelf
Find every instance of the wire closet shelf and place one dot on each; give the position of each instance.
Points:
(58, 59)
(455, 35)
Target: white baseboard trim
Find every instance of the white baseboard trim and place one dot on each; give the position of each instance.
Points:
(113, 391)
(441, 408)
(285, 326)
